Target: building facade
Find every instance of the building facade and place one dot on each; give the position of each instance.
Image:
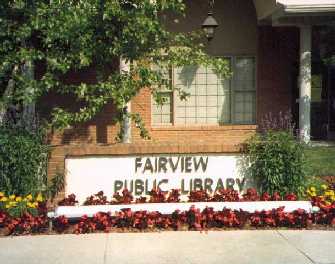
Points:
(271, 46)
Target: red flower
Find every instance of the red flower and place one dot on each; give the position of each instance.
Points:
(276, 196)
(290, 197)
(68, 201)
(266, 197)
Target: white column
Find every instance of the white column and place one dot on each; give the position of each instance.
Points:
(305, 83)
(126, 133)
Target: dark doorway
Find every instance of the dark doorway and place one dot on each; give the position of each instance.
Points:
(323, 84)
(331, 103)
(323, 103)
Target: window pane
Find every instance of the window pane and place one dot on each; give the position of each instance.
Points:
(185, 76)
(162, 114)
(244, 107)
(212, 99)
(224, 86)
(245, 69)
(244, 85)
(212, 89)
(201, 100)
(201, 79)
(207, 90)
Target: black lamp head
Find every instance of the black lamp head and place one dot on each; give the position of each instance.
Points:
(210, 24)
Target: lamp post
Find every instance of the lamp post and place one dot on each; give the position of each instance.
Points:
(210, 24)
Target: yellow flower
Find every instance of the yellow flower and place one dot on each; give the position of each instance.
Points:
(18, 199)
(29, 197)
(7, 206)
(313, 189)
(32, 205)
(13, 203)
(39, 198)
(2, 194)
(12, 197)
(311, 193)
(4, 199)
(324, 187)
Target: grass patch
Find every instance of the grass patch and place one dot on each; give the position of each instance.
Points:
(320, 161)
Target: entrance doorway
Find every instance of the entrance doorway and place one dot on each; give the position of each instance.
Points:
(323, 104)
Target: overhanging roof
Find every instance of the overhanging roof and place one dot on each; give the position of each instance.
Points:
(267, 8)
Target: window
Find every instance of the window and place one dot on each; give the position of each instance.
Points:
(212, 99)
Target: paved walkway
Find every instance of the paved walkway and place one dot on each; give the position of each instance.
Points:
(238, 247)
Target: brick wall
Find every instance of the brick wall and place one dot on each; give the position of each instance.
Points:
(276, 73)
(277, 70)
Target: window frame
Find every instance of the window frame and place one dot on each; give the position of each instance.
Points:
(232, 81)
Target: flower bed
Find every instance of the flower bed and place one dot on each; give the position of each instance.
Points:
(174, 196)
(206, 218)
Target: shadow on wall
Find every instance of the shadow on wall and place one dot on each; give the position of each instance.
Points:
(98, 130)
(94, 131)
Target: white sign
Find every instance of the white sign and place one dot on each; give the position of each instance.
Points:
(140, 174)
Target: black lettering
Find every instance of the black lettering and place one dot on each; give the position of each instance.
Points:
(230, 182)
(182, 164)
(196, 163)
(138, 164)
(173, 166)
(183, 189)
(146, 189)
(219, 185)
(118, 186)
(188, 164)
(148, 166)
(139, 187)
(162, 182)
(197, 184)
(130, 188)
(240, 184)
(162, 164)
(203, 163)
(208, 185)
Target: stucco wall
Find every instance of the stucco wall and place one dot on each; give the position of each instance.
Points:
(264, 7)
(237, 33)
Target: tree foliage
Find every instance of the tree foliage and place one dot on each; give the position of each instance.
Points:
(73, 35)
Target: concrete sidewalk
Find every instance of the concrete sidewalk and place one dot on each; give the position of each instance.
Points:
(240, 247)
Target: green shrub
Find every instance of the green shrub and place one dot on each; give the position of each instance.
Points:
(277, 162)
(23, 161)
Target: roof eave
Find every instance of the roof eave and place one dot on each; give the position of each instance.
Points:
(309, 9)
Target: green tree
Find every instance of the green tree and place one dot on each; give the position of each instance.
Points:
(74, 35)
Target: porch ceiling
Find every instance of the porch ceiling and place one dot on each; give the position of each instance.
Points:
(276, 10)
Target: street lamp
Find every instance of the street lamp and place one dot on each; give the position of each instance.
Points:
(210, 24)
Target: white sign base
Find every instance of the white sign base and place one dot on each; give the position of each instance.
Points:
(140, 174)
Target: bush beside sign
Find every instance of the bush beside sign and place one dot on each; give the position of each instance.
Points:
(140, 174)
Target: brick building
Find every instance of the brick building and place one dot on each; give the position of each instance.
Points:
(269, 45)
